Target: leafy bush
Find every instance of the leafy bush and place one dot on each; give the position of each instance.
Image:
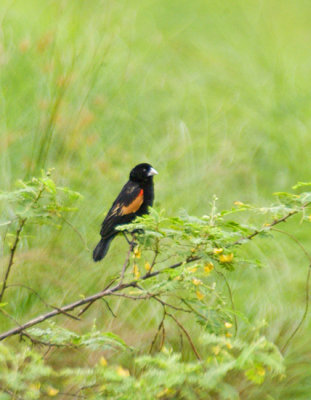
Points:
(213, 352)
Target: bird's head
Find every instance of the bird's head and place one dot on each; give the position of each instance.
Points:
(142, 173)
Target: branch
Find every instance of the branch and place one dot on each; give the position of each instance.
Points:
(125, 265)
(161, 326)
(22, 222)
(121, 286)
(41, 299)
(187, 335)
(307, 290)
(267, 227)
(12, 254)
(231, 300)
(89, 300)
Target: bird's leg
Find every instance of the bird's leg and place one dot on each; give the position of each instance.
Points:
(126, 238)
(133, 243)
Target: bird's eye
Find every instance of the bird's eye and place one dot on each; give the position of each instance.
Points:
(145, 169)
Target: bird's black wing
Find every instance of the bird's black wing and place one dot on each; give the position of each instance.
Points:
(123, 209)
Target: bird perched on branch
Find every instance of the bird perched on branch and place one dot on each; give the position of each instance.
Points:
(134, 199)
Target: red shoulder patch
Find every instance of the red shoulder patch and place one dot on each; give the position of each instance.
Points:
(141, 192)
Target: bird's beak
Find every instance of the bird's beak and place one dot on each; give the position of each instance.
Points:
(152, 172)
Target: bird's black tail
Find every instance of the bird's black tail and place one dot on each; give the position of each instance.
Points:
(101, 249)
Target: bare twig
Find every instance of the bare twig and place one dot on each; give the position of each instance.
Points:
(156, 253)
(121, 286)
(41, 299)
(307, 290)
(231, 300)
(126, 262)
(194, 310)
(187, 335)
(304, 315)
(89, 300)
(77, 232)
(20, 227)
(89, 304)
(161, 326)
(12, 254)
(163, 337)
(109, 308)
(125, 265)
(267, 227)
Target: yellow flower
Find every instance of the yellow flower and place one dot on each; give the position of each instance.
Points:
(208, 267)
(147, 266)
(218, 250)
(228, 334)
(261, 371)
(228, 325)
(52, 391)
(103, 362)
(137, 252)
(226, 258)
(200, 295)
(35, 386)
(309, 217)
(123, 372)
(136, 271)
(196, 281)
(192, 269)
(229, 345)
(238, 203)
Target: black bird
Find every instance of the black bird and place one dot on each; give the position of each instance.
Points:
(134, 199)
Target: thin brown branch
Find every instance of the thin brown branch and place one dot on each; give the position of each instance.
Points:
(12, 254)
(157, 298)
(109, 308)
(89, 300)
(77, 232)
(20, 227)
(129, 296)
(43, 343)
(194, 310)
(161, 326)
(163, 336)
(121, 286)
(125, 265)
(231, 300)
(307, 289)
(126, 262)
(156, 253)
(304, 315)
(89, 305)
(41, 299)
(187, 335)
(171, 305)
(267, 227)
(295, 240)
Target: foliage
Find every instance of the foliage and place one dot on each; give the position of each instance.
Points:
(173, 262)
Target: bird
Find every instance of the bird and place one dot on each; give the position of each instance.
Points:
(133, 200)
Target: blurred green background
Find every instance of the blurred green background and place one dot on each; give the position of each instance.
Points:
(215, 95)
